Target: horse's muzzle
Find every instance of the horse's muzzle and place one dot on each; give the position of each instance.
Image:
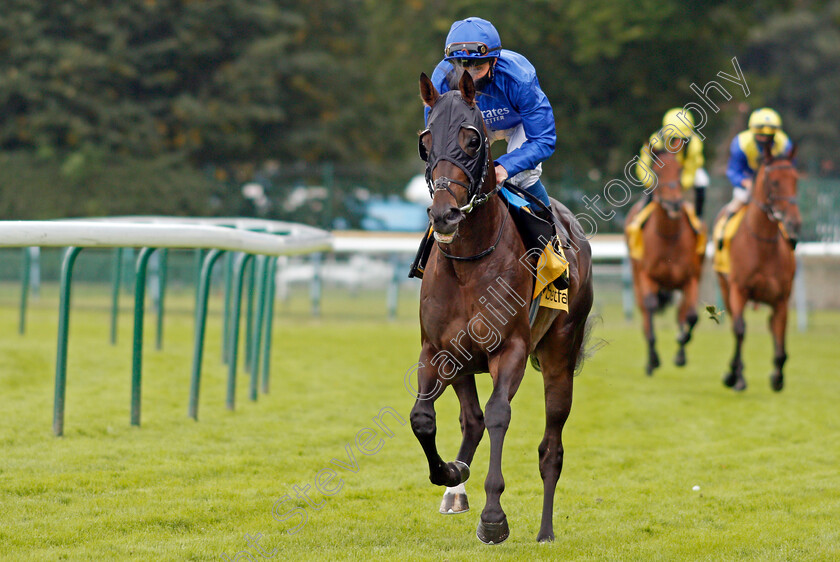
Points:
(445, 222)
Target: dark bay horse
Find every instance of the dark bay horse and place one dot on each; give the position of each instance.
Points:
(670, 260)
(762, 261)
(474, 311)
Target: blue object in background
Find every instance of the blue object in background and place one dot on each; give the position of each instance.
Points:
(395, 214)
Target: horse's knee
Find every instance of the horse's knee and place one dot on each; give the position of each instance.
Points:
(497, 415)
(472, 426)
(551, 459)
(422, 423)
(651, 302)
(691, 318)
(739, 326)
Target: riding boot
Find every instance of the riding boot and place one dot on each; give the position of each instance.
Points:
(699, 200)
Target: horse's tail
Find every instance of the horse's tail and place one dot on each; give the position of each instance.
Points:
(588, 346)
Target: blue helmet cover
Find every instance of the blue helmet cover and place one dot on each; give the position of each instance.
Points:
(474, 30)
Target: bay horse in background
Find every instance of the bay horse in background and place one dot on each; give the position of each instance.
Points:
(476, 256)
(670, 260)
(763, 262)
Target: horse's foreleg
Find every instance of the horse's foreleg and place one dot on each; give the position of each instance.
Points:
(648, 291)
(507, 369)
(778, 325)
(423, 423)
(735, 377)
(687, 319)
(472, 429)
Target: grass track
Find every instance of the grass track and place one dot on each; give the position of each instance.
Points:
(766, 463)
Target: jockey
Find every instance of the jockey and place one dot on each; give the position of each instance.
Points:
(745, 153)
(677, 134)
(511, 101)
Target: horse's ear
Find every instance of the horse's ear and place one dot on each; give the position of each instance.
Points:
(792, 154)
(428, 92)
(467, 87)
(768, 152)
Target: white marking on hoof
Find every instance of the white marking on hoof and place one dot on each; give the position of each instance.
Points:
(454, 500)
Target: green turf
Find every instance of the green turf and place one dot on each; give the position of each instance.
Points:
(766, 463)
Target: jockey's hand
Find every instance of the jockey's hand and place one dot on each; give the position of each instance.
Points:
(501, 174)
(747, 183)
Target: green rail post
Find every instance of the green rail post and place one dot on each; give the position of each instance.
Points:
(316, 289)
(236, 306)
(26, 264)
(260, 270)
(393, 295)
(116, 277)
(229, 259)
(198, 258)
(139, 309)
(269, 322)
(63, 327)
(162, 274)
(627, 300)
(200, 325)
(249, 314)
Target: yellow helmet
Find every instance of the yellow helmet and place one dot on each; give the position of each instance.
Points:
(678, 122)
(764, 121)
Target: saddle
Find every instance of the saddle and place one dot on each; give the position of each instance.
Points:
(633, 231)
(542, 235)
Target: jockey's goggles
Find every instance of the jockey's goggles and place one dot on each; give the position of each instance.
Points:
(770, 131)
(471, 49)
(469, 63)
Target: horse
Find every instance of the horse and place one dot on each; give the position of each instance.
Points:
(762, 261)
(476, 260)
(670, 260)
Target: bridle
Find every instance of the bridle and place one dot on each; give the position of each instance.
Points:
(773, 214)
(767, 206)
(448, 149)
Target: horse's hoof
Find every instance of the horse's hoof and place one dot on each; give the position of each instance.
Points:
(679, 360)
(454, 501)
(740, 385)
(777, 382)
(729, 379)
(493, 533)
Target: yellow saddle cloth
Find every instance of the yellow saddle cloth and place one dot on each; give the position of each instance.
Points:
(724, 231)
(635, 241)
(551, 265)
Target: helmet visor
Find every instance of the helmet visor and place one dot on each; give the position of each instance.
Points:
(471, 49)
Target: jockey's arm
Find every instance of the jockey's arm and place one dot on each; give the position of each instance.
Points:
(738, 169)
(538, 122)
(693, 161)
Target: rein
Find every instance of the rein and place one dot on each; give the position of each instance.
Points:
(486, 252)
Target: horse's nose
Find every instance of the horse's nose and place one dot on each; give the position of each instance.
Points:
(445, 218)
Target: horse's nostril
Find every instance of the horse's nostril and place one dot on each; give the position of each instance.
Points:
(453, 215)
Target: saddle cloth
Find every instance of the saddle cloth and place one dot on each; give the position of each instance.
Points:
(635, 240)
(723, 232)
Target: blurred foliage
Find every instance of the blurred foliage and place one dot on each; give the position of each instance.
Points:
(170, 106)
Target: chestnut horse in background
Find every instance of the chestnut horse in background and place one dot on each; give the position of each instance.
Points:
(474, 312)
(762, 261)
(670, 260)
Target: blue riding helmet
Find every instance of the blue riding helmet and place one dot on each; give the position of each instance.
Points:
(472, 38)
